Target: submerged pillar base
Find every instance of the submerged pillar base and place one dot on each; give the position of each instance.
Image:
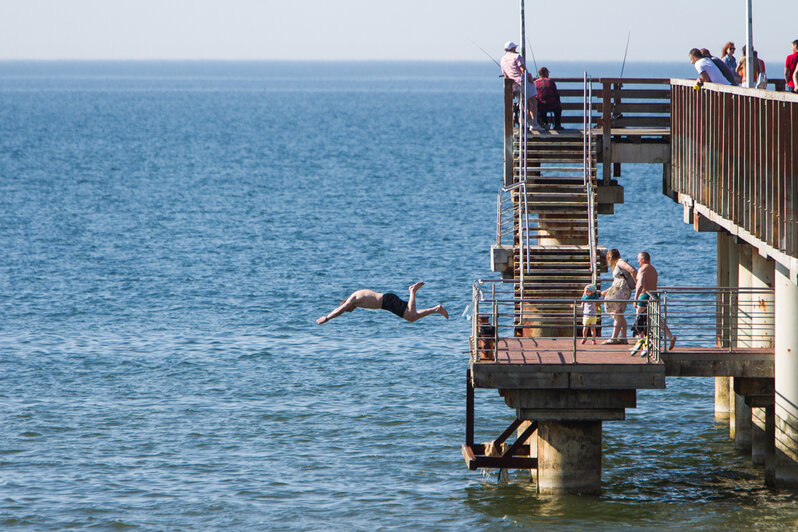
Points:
(569, 457)
(721, 397)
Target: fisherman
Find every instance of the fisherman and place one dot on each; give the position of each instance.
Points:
(390, 302)
(514, 68)
(548, 99)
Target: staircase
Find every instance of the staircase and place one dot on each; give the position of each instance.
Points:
(554, 237)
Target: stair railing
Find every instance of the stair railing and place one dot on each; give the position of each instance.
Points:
(512, 213)
(587, 163)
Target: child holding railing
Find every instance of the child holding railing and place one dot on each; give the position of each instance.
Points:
(589, 305)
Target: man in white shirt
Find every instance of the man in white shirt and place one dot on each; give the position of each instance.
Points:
(513, 68)
(707, 70)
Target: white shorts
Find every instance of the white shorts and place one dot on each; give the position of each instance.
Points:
(531, 90)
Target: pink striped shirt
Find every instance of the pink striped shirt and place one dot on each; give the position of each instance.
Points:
(512, 63)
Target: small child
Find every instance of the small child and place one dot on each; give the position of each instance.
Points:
(640, 327)
(589, 312)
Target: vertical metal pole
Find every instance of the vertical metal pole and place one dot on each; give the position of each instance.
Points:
(749, 45)
(495, 325)
(469, 435)
(576, 327)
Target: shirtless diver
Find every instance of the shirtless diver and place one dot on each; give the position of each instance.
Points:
(390, 302)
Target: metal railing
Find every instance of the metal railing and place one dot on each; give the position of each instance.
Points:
(733, 152)
(587, 162)
(716, 319)
(719, 318)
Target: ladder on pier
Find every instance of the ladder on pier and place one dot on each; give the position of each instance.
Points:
(555, 222)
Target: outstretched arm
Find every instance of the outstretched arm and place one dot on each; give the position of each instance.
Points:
(346, 306)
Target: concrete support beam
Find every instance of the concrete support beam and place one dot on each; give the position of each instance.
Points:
(569, 457)
(612, 193)
(501, 259)
(627, 152)
(785, 466)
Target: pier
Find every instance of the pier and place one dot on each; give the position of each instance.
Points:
(727, 155)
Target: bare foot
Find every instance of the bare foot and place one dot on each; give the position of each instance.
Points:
(321, 320)
(673, 343)
(594, 342)
(442, 311)
(584, 340)
(415, 287)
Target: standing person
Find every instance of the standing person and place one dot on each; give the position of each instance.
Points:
(390, 302)
(790, 68)
(514, 68)
(707, 70)
(617, 296)
(759, 70)
(647, 284)
(589, 312)
(730, 76)
(548, 99)
(727, 56)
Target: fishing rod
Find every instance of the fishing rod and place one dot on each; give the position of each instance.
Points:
(486, 53)
(623, 65)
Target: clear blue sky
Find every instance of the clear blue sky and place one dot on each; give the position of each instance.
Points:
(381, 29)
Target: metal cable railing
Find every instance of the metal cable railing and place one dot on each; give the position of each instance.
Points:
(709, 319)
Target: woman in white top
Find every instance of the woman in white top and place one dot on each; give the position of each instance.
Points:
(624, 279)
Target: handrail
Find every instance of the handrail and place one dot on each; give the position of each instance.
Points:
(729, 319)
(734, 162)
(587, 162)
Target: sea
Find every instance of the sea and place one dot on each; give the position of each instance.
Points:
(170, 231)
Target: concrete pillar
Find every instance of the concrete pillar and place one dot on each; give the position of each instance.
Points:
(740, 419)
(762, 326)
(724, 317)
(722, 398)
(786, 408)
(742, 424)
(569, 457)
(732, 413)
(762, 321)
(532, 441)
(759, 435)
(770, 448)
(744, 275)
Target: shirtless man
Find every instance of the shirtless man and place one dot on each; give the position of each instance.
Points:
(646, 284)
(390, 302)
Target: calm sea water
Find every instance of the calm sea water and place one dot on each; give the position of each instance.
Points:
(170, 232)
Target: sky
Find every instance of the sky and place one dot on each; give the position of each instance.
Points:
(434, 30)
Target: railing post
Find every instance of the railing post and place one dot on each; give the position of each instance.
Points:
(606, 131)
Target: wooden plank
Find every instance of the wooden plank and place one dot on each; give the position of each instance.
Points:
(664, 108)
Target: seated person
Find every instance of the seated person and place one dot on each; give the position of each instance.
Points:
(548, 99)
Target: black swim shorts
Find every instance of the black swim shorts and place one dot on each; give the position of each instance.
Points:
(393, 304)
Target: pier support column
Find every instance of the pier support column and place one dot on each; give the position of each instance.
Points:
(726, 277)
(569, 457)
(740, 419)
(759, 435)
(763, 271)
(786, 408)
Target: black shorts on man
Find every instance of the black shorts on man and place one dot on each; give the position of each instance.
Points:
(392, 303)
